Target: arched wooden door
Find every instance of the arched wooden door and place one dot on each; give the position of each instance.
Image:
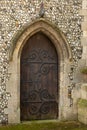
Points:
(39, 79)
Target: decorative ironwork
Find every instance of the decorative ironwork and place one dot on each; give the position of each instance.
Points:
(38, 98)
(39, 56)
(33, 109)
(45, 96)
(45, 69)
(45, 108)
(32, 96)
(44, 101)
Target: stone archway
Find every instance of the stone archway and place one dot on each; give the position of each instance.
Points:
(64, 56)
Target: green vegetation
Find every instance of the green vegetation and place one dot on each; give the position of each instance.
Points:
(46, 126)
(82, 103)
(84, 70)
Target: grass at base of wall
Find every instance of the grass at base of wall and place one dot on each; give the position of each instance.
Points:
(46, 126)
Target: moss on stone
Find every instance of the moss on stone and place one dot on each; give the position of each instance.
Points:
(86, 88)
(84, 70)
(82, 103)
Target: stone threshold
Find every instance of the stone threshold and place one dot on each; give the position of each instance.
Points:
(40, 121)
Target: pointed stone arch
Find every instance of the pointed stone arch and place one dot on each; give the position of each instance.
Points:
(64, 57)
(48, 29)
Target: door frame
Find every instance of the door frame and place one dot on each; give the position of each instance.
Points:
(64, 59)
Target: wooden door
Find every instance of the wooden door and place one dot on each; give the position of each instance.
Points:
(39, 79)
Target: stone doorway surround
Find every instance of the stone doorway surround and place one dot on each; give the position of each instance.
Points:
(64, 57)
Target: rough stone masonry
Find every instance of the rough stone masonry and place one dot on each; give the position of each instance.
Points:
(66, 15)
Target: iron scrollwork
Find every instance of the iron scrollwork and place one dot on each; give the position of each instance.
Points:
(37, 94)
(44, 101)
(47, 99)
(37, 56)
